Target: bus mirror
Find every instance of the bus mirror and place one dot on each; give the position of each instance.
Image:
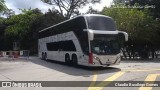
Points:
(90, 35)
(123, 36)
(85, 30)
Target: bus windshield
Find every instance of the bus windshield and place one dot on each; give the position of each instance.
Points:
(105, 44)
(101, 23)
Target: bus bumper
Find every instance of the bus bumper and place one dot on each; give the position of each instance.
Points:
(105, 62)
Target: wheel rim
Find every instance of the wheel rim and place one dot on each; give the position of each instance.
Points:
(45, 56)
(67, 59)
(42, 56)
(75, 60)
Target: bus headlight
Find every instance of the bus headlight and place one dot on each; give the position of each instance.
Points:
(96, 58)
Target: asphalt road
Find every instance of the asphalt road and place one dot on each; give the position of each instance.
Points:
(135, 72)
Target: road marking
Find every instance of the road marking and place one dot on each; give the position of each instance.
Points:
(101, 85)
(150, 77)
(140, 70)
(94, 79)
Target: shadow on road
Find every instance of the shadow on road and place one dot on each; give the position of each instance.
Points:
(76, 71)
(141, 61)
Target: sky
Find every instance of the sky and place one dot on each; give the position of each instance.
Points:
(26, 4)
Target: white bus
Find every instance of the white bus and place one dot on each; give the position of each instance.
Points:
(89, 40)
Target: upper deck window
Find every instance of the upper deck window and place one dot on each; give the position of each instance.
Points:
(101, 23)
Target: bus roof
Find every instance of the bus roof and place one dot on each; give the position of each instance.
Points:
(85, 15)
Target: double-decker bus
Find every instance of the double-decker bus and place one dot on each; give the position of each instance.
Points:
(89, 40)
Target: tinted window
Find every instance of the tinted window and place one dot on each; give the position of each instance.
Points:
(105, 44)
(62, 46)
(72, 25)
(82, 36)
(76, 25)
(101, 23)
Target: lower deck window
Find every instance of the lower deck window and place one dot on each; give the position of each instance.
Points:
(61, 46)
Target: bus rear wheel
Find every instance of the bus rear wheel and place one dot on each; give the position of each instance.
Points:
(44, 56)
(74, 60)
(67, 59)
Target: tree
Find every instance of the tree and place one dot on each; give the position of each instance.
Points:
(2, 6)
(68, 8)
(141, 27)
(153, 5)
(4, 10)
(9, 13)
(24, 28)
(156, 8)
(50, 18)
(92, 11)
(1, 20)
(118, 1)
(18, 28)
(2, 31)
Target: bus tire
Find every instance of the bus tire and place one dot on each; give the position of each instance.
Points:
(42, 56)
(67, 59)
(45, 56)
(74, 60)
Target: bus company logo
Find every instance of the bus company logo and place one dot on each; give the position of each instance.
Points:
(6, 84)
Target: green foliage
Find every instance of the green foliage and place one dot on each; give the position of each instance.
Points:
(1, 19)
(118, 1)
(69, 8)
(156, 10)
(138, 23)
(153, 5)
(24, 28)
(142, 28)
(48, 19)
(2, 6)
(92, 11)
(18, 28)
(2, 30)
(8, 13)
(19, 24)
